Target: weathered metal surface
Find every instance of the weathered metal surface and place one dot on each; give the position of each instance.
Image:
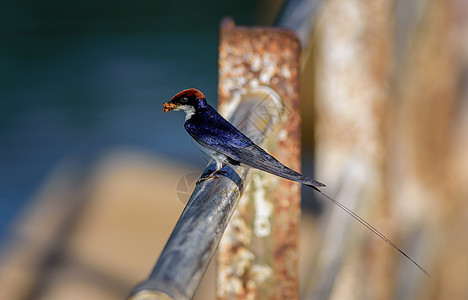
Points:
(352, 76)
(258, 256)
(429, 170)
(391, 87)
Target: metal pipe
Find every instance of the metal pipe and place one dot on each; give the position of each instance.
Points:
(300, 16)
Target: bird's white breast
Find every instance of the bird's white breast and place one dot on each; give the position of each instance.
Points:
(218, 157)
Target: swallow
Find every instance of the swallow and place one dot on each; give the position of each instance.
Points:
(224, 143)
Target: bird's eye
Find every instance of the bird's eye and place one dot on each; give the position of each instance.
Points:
(184, 100)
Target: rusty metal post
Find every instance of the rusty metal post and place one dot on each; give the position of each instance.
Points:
(258, 255)
(352, 77)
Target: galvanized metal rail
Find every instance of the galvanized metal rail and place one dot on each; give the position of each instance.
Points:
(193, 242)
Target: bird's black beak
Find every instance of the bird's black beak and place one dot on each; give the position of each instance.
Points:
(168, 106)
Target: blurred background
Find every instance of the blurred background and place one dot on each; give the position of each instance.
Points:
(93, 176)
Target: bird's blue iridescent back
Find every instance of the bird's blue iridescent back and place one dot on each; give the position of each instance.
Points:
(210, 129)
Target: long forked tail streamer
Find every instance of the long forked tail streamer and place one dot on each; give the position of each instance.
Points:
(374, 230)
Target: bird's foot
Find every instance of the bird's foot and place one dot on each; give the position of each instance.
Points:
(211, 174)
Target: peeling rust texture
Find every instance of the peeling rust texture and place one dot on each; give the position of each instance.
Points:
(258, 254)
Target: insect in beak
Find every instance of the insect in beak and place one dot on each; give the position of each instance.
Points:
(168, 106)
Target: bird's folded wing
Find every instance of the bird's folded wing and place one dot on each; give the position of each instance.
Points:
(239, 147)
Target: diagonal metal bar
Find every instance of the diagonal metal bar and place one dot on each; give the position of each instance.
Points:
(300, 16)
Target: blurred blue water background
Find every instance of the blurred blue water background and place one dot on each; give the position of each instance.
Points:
(80, 78)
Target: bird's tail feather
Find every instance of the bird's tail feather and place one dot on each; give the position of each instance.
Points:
(373, 229)
(261, 160)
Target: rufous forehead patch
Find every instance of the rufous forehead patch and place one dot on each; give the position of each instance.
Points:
(189, 93)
